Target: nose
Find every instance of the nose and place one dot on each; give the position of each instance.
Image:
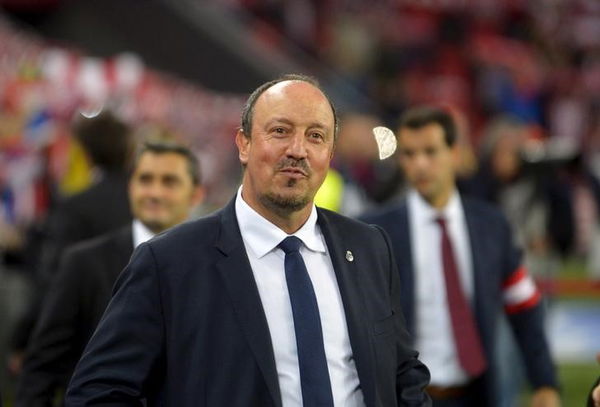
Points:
(297, 146)
(421, 161)
(154, 189)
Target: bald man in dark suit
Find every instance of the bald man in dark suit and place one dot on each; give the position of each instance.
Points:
(268, 302)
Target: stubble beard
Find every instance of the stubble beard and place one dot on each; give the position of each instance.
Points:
(282, 204)
(285, 205)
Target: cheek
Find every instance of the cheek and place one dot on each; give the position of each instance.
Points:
(322, 159)
(407, 167)
(136, 195)
(265, 159)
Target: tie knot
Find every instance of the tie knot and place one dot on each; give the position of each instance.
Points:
(290, 244)
(440, 220)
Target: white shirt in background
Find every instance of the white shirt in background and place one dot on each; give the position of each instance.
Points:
(434, 336)
(140, 233)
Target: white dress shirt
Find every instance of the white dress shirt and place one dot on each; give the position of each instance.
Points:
(261, 238)
(434, 336)
(140, 233)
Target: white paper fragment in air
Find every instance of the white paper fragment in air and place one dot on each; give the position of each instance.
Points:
(386, 141)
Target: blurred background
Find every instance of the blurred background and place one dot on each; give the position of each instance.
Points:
(522, 79)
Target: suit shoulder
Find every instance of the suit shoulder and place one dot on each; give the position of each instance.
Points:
(199, 230)
(382, 215)
(347, 224)
(482, 209)
(109, 187)
(93, 245)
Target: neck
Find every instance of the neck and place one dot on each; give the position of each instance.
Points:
(291, 222)
(441, 200)
(285, 219)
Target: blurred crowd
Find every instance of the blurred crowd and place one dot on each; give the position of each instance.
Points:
(45, 89)
(536, 60)
(521, 79)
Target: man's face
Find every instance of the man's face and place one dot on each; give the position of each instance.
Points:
(427, 161)
(161, 190)
(288, 152)
(505, 159)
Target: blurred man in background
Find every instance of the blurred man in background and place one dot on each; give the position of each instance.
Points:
(594, 396)
(102, 207)
(163, 188)
(458, 268)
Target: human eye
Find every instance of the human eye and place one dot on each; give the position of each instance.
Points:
(171, 181)
(431, 151)
(316, 136)
(279, 130)
(145, 179)
(407, 153)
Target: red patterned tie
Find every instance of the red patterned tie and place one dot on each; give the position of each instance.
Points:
(466, 337)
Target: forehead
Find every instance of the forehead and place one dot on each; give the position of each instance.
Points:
(151, 162)
(430, 134)
(295, 100)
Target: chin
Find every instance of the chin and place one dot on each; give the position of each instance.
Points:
(154, 225)
(287, 202)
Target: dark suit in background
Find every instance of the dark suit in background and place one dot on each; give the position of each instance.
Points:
(590, 400)
(102, 207)
(73, 306)
(186, 325)
(494, 260)
(164, 186)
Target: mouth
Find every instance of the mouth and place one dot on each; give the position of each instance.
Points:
(152, 206)
(294, 172)
(421, 183)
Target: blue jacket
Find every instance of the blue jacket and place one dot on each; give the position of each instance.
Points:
(186, 327)
(495, 260)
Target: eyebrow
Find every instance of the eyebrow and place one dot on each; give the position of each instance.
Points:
(291, 123)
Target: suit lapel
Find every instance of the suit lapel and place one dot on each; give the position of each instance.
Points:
(353, 300)
(476, 228)
(400, 235)
(236, 272)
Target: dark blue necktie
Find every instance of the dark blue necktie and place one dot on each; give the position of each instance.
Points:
(314, 376)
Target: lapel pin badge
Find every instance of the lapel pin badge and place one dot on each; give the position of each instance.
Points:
(349, 255)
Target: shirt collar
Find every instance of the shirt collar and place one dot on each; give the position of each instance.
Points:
(140, 233)
(427, 213)
(261, 236)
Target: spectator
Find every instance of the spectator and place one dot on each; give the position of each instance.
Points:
(108, 143)
(163, 188)
(458, 267)
(594, 397)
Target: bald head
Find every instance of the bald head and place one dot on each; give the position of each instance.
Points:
(248, 110)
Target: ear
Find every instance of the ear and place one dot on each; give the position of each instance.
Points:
(243, 144)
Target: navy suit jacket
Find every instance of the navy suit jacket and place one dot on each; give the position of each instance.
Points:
(70, 313)
(494, 258)
(186, 326)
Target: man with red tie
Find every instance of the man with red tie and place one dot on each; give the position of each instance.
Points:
(458, 271)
